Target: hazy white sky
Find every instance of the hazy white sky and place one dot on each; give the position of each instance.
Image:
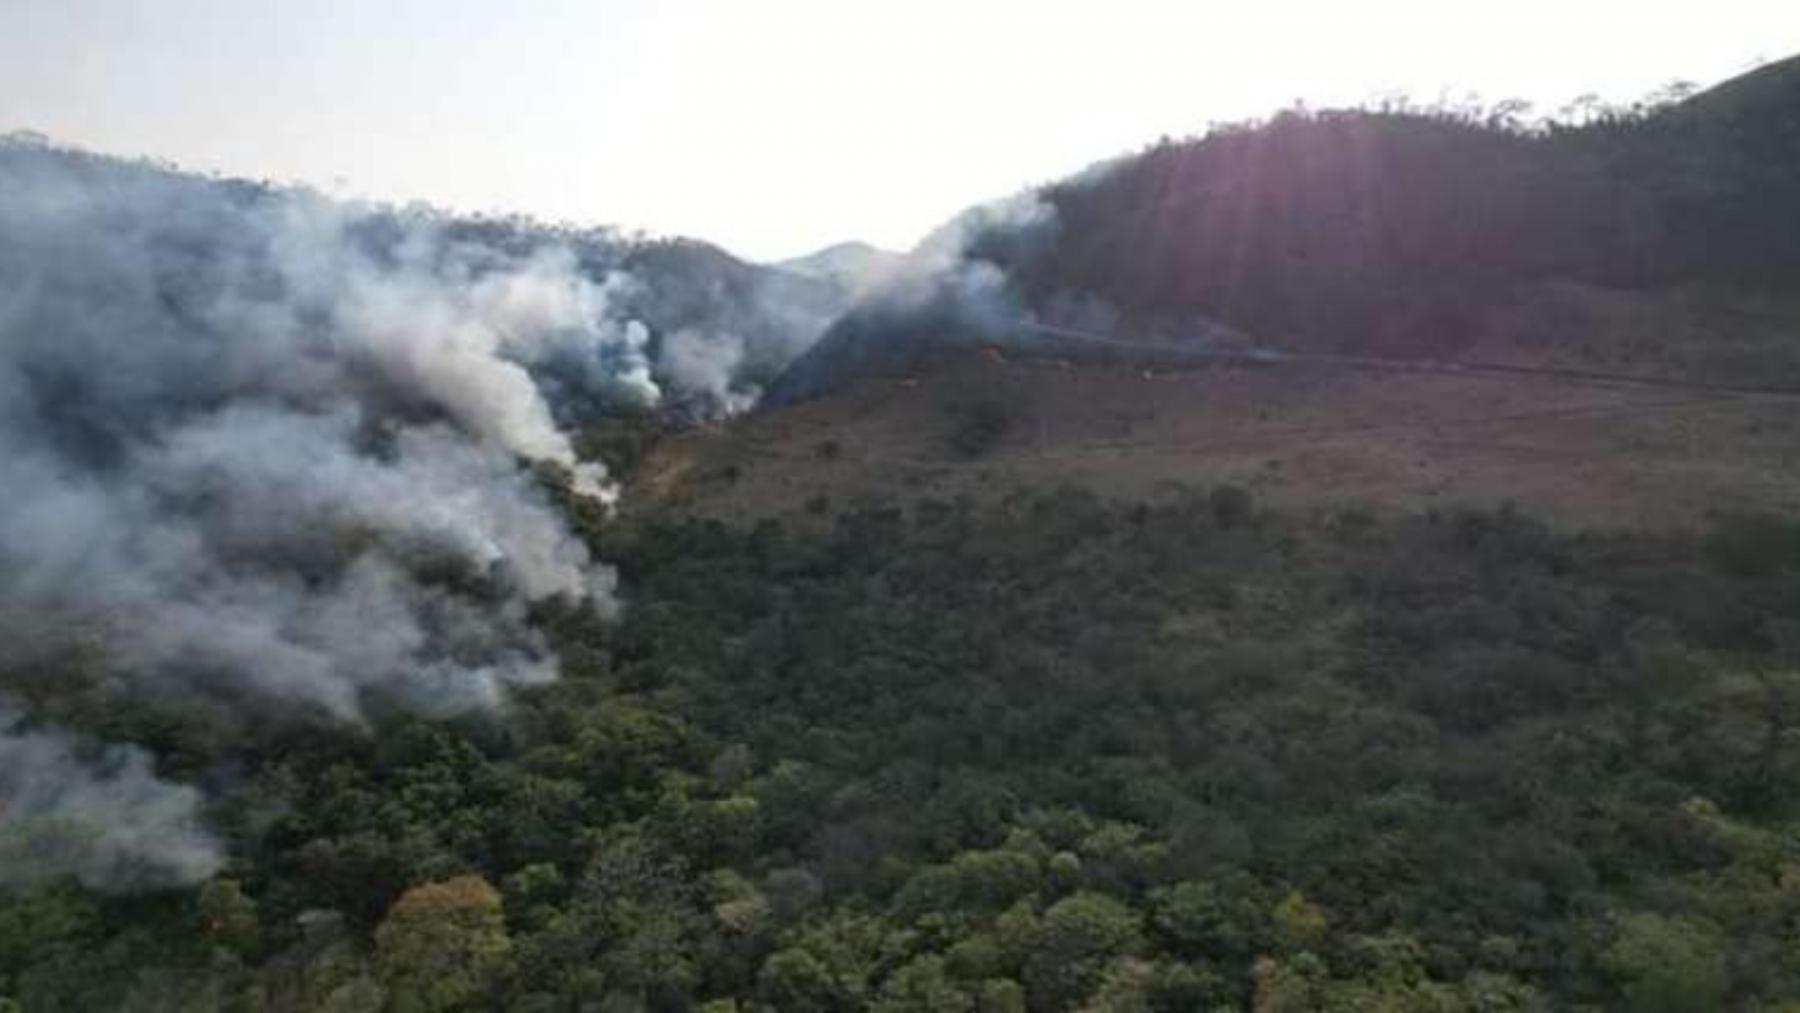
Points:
(777, 126)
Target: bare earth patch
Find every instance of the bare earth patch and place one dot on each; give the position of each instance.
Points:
(1581, 453)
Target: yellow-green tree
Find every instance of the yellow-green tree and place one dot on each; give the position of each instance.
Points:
(441, 945)
(1669, 965)
(1299, 924)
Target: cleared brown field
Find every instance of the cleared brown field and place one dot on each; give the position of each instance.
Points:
(1580, 453)
(1305, 437)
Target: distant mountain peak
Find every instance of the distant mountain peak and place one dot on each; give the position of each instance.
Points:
(854, 265)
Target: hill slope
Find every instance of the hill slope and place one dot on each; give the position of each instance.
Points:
(1388, 232)
(1393, 231)
(854, 267)
(715, 328)
(1125, 424)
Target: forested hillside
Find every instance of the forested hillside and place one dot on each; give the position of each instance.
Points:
(1046, 754)
(1392, 230)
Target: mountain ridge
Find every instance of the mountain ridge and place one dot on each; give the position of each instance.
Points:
(1375, 231)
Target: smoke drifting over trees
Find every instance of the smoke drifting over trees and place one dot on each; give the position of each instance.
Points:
(949, 290)
(270, 450)
(236, 432)
(101, 817)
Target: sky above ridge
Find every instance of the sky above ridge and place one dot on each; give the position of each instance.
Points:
(774, 127)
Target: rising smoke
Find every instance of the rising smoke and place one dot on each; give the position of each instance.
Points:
(709, 365)
(269, 449)
(97, 814)
(952, 289)
(236, 429)
(962, 263)
(724, 329)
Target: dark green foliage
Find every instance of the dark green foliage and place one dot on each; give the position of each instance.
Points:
(619, 441)
(1074, 942)
(1393, 230)
(1049, 754)
(1754, 544)
(977, 422)
(1231, 505)
(1669, 965)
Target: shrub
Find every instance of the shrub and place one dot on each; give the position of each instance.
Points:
(977, 424)
(1753, 545)
(1232, 506)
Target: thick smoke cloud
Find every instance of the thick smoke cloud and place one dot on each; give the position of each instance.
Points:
(723, 329)
(237, 428)
(959, 268)
(97, 814)
(269, 451)
(709, 365)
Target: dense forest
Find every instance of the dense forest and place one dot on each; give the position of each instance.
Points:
(1047, 753)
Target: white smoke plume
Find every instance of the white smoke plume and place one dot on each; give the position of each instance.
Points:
(723, 329)
(271, 446)
(98, 814)
(262, 449)
(707, 364)
(1022, 217)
